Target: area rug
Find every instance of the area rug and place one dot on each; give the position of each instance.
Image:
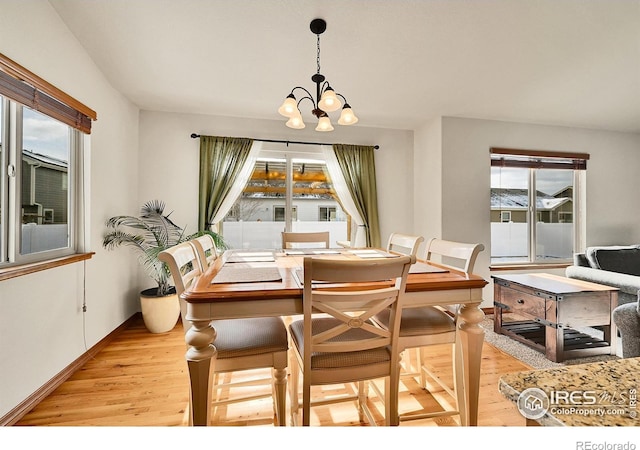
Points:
(528, 355)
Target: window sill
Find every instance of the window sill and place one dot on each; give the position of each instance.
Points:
(529, 267)
(25, 269)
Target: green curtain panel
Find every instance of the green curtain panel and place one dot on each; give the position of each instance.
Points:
(221, 160)
(358, 167)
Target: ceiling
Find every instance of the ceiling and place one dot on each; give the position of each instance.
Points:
(398, 63)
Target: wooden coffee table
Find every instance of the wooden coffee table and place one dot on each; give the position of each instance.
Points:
(551, 308)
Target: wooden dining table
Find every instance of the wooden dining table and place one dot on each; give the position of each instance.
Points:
(244, 284)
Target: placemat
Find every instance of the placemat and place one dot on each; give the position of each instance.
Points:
(419, 267)
(307, 251)
(247, 273)
(373, 253)
(243, 257)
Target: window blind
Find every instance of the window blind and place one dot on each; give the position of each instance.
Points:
(538, 159)
(22, 86)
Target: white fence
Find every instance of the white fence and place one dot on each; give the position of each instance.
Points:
(509, 240)
(38, 238)
(267, 235)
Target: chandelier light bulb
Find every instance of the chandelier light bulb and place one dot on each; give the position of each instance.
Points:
(347, 117)
(329, 102)
(289, 107)
(324, 124)
(296, 122)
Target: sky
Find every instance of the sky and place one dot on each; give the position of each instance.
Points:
(44, 135)
(548, 181)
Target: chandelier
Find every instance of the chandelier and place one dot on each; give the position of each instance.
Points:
(326, 99)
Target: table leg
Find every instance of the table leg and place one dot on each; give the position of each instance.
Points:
(201, 357)
(497, 319)
(497, 310)
(553, 333)
(469, 354)
(612, 328)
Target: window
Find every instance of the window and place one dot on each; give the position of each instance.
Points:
(48, 215)
(39, 217)
(327, 213)
(534, 201)
(565, 217)
(41, 140)
(279, 213)
(289, 190)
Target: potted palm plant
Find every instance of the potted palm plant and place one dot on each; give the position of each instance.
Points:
(149, 234)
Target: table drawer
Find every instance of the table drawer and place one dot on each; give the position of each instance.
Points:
(522, 302)
(588, 309)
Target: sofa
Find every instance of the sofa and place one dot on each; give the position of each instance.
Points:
(617, 266)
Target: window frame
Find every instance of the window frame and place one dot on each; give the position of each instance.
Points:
(11, 214)
(21, 88)
(289, 162)
(534, 160)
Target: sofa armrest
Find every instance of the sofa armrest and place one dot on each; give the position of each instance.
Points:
(629, 284)
(580, 259)
(627, 319)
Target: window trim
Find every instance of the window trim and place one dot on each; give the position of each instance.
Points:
(6, 273)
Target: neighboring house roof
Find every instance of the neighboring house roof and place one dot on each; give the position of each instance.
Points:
(518, 199)
(49, 161)
(268, 181)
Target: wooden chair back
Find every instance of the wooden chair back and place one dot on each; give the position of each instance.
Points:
(184, 266)
(373, 285)
(404, 244)
(318, 239)
(456, 255)
(206, 250)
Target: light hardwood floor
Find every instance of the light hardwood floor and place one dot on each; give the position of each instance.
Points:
(141, 379)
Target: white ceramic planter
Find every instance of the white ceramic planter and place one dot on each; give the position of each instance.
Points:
(160, 314)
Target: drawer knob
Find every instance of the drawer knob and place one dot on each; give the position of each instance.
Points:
(521, 301)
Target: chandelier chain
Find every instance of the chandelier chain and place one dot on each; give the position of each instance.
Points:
(318, 57)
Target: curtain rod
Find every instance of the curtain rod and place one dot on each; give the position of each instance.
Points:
(194, 135)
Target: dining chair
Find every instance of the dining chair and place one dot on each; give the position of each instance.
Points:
(206, 250)
(318, 239)
(404, 244)
(336, 342)
(421, 327)
(241, 344)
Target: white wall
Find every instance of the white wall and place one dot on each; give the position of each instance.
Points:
(42, 327)
(169, 161)
(612, 179)
(427, 181)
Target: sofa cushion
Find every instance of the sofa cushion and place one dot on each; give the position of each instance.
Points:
(621, 259)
